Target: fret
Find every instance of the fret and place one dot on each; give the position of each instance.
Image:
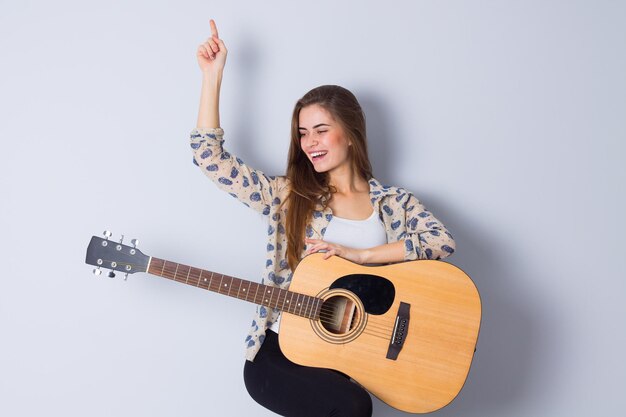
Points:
(284, 293)
(238, 291)
(312, 307)
(315, 305)
(229, 285)
(165, 271)
(202, 282)
(255, 293)
(248, 292)
(238, 282)
(220, 286)
(306, 310)
(286, 301)
(271, 295)
(162, 268)
(187, 280)
(303, 306)
(153, 263)
(308, 305)
(210, 282)
(176, 277)
(297, 306)
(232, 282)
(200, 278)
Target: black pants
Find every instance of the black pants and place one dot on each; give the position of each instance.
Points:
(301, 391)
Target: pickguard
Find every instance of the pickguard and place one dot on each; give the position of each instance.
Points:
(375, 292)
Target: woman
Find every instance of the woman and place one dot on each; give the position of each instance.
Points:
(327, 202)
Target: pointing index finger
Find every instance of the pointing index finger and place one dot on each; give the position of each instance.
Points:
(213, 28)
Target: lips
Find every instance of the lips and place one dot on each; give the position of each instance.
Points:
(317, 155)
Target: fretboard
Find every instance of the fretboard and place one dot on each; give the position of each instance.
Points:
(273, 297)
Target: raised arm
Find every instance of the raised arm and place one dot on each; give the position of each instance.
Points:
(252, 187)
(211, 59)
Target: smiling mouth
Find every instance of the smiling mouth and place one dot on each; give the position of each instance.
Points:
(316, 156)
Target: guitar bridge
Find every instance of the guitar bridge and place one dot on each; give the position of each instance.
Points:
(400, 331)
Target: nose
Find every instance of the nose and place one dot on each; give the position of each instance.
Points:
(309, 142)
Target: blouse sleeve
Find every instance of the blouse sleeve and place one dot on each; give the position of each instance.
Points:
(427, 237)
(250, 186)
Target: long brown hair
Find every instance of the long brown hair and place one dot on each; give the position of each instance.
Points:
(307, 185)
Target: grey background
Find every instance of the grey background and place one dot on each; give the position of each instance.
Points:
(506, 118)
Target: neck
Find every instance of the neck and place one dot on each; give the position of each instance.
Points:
(346, 181)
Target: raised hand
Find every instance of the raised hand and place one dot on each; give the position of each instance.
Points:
(212, 53)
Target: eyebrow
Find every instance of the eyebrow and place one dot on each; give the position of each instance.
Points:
(314, 127)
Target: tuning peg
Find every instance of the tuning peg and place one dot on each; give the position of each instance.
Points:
(126, 276)
(122, 239)
(135, 242)
(97, 271)
(107, 234)
(111, 274)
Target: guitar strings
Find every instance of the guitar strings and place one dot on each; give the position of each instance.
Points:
(380, 327)
(327, 314)
(330, 314)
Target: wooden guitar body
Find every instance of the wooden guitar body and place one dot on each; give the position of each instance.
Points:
(439, 340)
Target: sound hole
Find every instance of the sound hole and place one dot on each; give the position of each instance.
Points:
(339, 314)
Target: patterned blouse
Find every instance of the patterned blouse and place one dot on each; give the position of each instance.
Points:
(404, 217)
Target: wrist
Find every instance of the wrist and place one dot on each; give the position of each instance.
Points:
(364, 256)
(212, 76)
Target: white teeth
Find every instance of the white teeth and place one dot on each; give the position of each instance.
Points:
(316, 154)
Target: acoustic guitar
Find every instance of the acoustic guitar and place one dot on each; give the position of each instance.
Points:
(406, 332)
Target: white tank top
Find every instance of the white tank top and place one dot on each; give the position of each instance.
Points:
(358, 234)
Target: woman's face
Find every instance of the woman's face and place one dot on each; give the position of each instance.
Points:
(322, 139)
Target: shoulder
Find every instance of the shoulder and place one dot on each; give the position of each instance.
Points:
(389, 193)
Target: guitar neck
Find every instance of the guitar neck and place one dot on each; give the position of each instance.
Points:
(273, 297)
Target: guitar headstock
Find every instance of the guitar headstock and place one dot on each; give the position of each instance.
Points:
(105, 253)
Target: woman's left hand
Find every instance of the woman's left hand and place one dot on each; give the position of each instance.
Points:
(354, 255)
